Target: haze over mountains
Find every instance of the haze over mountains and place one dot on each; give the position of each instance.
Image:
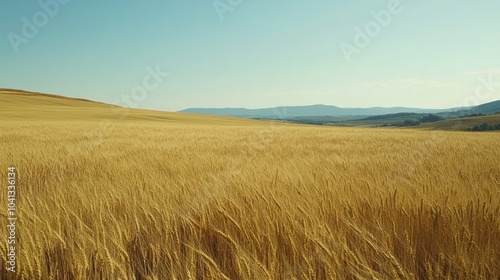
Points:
(327, 110)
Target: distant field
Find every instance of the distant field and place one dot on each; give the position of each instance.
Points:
(367, 122)
(105, 194)
(463, 123)
(396, 120)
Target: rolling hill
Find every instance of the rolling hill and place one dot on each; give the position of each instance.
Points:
(462, 123)
(33, 106)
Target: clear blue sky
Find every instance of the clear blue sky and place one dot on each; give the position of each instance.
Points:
(263, 53)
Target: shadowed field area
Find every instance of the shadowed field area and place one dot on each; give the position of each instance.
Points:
(112, 193)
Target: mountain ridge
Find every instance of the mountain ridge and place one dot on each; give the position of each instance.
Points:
(311, 110)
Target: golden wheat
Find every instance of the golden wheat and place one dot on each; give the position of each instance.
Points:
(184, 199)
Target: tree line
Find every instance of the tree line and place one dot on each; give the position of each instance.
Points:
(484, 127)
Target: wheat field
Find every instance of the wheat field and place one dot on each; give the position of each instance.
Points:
(155, 195)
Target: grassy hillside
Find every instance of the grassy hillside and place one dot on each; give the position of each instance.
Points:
(375, 121)
(29, 106)
(453, 121)
(176, 196)
(23, 99)
(462, 123)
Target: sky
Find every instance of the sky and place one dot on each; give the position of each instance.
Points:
(172, 55)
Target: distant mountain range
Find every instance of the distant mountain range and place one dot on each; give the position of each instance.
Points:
(487, 108)
(327, 110)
